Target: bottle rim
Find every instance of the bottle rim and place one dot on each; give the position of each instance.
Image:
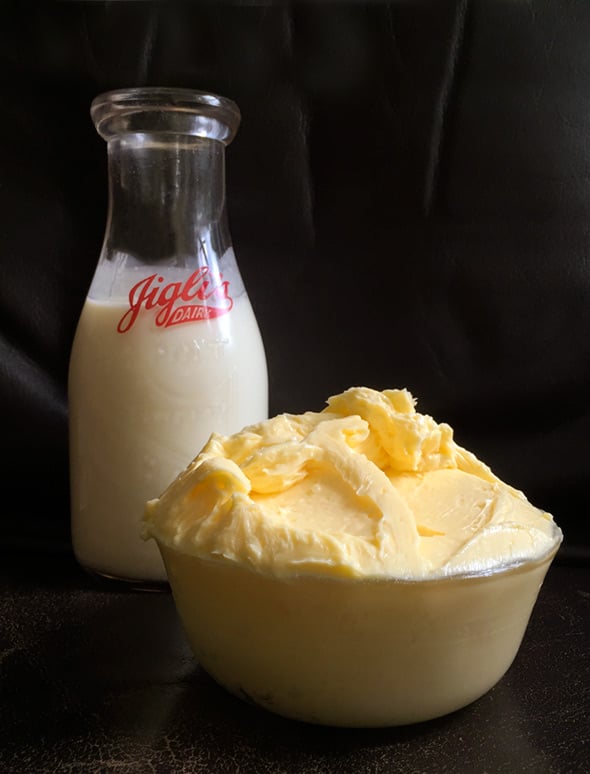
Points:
(165, 109)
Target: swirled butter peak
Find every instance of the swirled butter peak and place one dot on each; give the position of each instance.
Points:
(368, 487)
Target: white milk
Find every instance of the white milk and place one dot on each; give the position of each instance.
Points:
(142, 404)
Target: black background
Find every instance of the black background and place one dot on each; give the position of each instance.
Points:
(409, 200)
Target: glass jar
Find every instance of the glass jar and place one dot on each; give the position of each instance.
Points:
(167, 348)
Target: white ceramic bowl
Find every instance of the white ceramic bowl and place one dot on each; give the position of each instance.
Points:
(354, 652)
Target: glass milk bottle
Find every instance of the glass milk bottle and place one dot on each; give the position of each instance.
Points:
(167, 348)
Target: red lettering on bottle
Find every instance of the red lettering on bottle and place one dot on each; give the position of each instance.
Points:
(201, 286)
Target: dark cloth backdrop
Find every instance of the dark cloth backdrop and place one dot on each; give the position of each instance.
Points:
(409, 199)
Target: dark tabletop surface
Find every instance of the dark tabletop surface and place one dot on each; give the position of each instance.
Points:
(97, 679)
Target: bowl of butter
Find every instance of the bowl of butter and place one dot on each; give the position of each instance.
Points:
(353, 566)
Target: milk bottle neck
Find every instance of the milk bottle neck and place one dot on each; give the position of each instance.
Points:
(166, 199)
(166, 150)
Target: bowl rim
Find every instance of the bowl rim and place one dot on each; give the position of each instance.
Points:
(437, 578)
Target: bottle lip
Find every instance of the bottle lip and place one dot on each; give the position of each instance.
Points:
(165, 109)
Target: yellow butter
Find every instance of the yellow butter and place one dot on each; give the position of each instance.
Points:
(366, 488)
